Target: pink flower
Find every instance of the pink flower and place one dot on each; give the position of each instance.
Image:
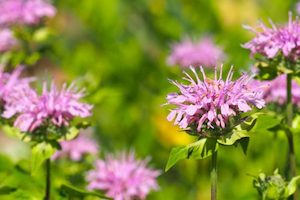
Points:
(52, 106)
(29, 12)
(298, 8)
(123, 177)
(77, 148)
(270, 42)
(204, 52)
(7, 40)
(209, 104)
(11, 84)
(275, 90)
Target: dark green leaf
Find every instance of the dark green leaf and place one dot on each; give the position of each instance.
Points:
(4, 190)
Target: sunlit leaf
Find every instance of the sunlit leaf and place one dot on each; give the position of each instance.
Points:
(197, 150)
(40, 152)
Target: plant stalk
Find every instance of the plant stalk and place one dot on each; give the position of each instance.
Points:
(291, 153)
(213, 176)
(48, 179)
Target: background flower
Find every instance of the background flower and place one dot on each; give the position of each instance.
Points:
(27, 12)
(270, 42)
(7, 40)
(204, 52)
(123, 177)
(275, 90)
(75, 149)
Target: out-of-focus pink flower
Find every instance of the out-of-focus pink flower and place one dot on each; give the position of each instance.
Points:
(11, 84)
(123, 177)
(52, 106)
(29, 12)
(270, 42)
(209, 104)
(275, 90)
(7, 40)
(298, 8)
(77, 148)
(203, 52)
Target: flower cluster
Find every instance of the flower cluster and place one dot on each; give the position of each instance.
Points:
(204, 52)
(28, 12)
(270, 42)
(52, 106)
(209, 104)
(123, 177)
(7, 40)
(275, 90)
(75, 149)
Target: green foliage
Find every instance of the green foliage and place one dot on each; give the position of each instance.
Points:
(41, 152)
(72, 192)
(198, 150)
(274, 187)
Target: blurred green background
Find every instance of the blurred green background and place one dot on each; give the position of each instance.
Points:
(118, 48)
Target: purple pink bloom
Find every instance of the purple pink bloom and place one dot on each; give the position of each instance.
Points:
(203, 52)
(54, 106)
(77, 148)
(11, 84)
(270, 42)
(29, 12)
(7, 40)
(209, 103)
(275, 90)
(123, 177)
(298, 8)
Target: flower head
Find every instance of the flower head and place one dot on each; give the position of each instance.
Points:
(275, 90)
(204, 52)
(209, 103)
(77, 148)
(29, 12)
(270, 42)
(123, 177)
(7, 40)
(53, 107)
(11, 84)
(298, 8)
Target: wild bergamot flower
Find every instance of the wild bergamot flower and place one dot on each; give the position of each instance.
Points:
(208, 104)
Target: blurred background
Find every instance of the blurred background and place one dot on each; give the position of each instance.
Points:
(117, 50)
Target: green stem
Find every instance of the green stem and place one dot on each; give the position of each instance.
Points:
(289, 112)
(214, 177)
(48, 179)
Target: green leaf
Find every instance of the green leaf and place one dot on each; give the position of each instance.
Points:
(233, 137)
(292, 186)
(197, 150)
(40, 152)
(266, 121)
(4, 190)
(244, 142)
(71, 191)
(72, 133)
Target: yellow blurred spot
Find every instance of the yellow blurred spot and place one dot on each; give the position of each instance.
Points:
(168, 134)
(235, 13)
(157, 7)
